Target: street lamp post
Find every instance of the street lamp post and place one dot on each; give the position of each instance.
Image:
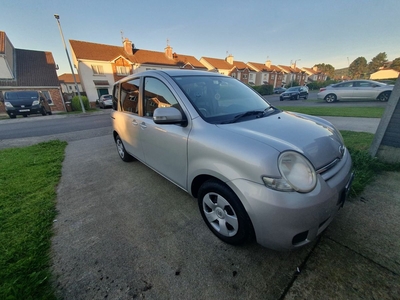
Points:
(69, 60)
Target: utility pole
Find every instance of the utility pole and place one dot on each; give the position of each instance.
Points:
(70, 64)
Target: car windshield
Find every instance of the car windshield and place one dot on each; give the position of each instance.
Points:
(21, 95)
(222, 99)
(107, 97)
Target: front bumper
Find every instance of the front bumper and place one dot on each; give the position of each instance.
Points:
(19, 111)
(287, 220)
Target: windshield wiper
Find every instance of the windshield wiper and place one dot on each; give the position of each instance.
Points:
(259, 113)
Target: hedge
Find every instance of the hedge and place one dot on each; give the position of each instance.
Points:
(76, 104)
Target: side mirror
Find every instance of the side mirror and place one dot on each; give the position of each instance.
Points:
(167, 115)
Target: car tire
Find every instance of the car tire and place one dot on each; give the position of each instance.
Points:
(330, 98)
(305, 97)
(280, 99)
(44, 112)
(125, 156)
(384, 97)
(224, 214)
(25, 116)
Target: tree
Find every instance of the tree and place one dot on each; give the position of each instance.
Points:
(326, 68)
(396, 64)
(358, 68)
(377, 62)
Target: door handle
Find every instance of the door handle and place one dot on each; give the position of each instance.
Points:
(143, 125)
(134, 122)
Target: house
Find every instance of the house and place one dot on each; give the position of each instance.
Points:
(293, 73)
(267, 73)
(67, 83)
(314, 74)
(100, 66)
(229, 67)
(385, 73)
(22, 69)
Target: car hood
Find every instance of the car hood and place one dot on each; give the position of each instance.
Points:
(290, 92)
(314, 137)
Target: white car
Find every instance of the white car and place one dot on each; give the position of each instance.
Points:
(105, 101)
(257, 172)
(356, 90)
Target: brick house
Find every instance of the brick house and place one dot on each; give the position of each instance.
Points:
(228, 66)
(22, 69)
(100, 66)
(293, 73)
(267, 73)
(314, 74)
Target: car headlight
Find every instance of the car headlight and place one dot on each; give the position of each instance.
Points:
(36, 102)
(8, 104)
(297, 174)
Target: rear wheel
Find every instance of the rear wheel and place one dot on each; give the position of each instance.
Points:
(12, 116)
(50, 112)
(44, 112)
(223, 213)
(297, 97)
(125, 156)
(384, 96)
(330, 98)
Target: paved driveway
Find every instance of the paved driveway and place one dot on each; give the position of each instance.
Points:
(125, 232)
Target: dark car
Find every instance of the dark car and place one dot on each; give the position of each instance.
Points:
(279, 90)
(24, 103)
(295, 93)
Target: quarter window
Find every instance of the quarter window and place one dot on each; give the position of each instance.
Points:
(48, 97)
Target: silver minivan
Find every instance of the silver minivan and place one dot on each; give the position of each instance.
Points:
(258, 172)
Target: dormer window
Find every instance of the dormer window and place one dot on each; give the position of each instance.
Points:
(122, 71)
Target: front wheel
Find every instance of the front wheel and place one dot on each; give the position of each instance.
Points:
(384, 96)
(224, 214)
(44, 111)
(330, 98)
(125, 156)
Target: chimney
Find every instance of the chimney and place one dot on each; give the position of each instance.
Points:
(168, 52)
(229, 59)
(128, 46)
(268, 64)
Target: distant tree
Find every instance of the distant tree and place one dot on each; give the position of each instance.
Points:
(358, 68)
(396, 64)
(377, 62)
(326, 68)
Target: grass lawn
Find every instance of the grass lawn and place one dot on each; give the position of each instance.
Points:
(28, 180)
(359, 112)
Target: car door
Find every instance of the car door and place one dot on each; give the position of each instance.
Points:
(363, 90)
(164, 146)
(344, 90)
(125, 117)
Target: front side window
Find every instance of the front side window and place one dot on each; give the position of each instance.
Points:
(130, 96)
(97, 70)
(156, 94)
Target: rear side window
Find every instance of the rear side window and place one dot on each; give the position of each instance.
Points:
(129, 101)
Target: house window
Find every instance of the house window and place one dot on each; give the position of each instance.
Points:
(97, 70)
(244, 76)
(272, 76)
(122, 71)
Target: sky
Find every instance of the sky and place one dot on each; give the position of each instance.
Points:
(334, 32)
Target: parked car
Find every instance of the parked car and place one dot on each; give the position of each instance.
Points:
(356, 90)
(279, 90)
(24, 103)
(257, 171)
(105, 101)
(295, 93)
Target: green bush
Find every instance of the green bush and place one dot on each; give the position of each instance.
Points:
(316, 85)
(76, 104)
(265, 89)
